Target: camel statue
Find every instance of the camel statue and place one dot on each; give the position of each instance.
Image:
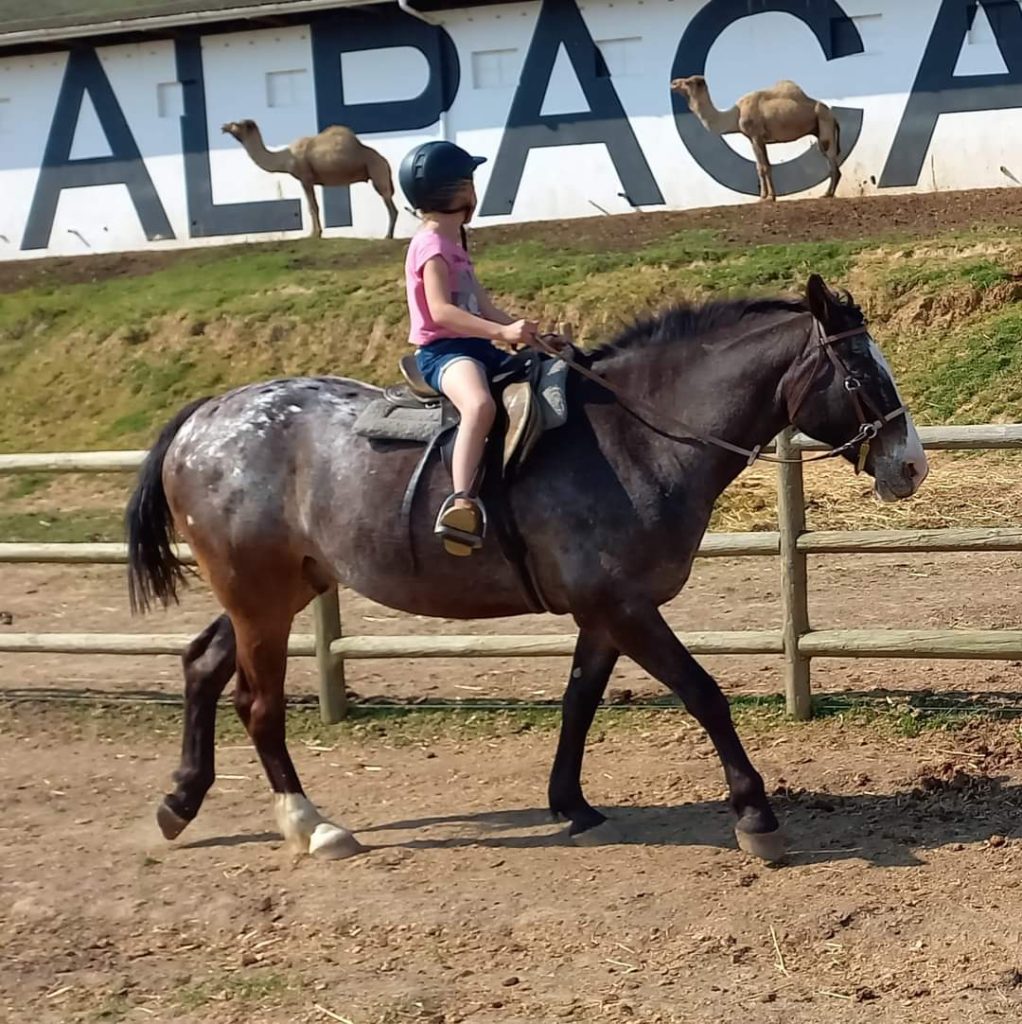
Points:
(782, 113)
(333, 157)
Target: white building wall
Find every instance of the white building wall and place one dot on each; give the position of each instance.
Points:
(269, 75)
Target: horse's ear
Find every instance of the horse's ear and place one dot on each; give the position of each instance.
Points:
(819, 298)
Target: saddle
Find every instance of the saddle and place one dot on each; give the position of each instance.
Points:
(531, 391)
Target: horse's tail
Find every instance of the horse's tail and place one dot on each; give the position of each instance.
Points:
(154, 570)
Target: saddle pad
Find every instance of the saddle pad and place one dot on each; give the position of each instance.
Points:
(384, 421)
(553, 406)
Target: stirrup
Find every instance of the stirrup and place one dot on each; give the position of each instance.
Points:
(457, 541)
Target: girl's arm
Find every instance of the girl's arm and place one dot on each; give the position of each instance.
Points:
(490, 311)
(437, 284)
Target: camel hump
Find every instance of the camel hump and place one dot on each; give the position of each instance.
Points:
(339, 129)
(786, 87)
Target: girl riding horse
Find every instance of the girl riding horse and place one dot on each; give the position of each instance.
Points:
(454, 323)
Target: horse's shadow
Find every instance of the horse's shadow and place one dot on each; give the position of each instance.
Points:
(240, 839)
(892, 829)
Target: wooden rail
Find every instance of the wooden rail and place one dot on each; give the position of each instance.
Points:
(796, 641)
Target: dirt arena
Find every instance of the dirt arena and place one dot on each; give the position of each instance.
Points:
(900, 901)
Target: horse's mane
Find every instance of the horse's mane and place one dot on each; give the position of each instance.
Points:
(685, 320)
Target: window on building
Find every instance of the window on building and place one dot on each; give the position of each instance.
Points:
(286, 88)
(621, 58)
(169, 99)
(494, 69)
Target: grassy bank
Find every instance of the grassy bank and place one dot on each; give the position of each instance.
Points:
(100, 357)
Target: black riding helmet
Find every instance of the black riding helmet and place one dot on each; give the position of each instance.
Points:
(430, 172)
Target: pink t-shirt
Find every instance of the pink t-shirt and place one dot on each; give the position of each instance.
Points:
(422, 248)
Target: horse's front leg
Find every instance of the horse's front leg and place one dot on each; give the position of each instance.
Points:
(594, 660)
(642, 634)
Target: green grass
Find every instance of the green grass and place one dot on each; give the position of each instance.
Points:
(52, 527)
(980, 369)
(24, 485)
(105, 362)
(928, 275)
(248, 985)
(412, 725)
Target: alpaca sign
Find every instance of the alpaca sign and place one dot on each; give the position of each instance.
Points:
(622, 120)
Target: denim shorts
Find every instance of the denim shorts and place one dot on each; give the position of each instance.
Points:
(435, 357)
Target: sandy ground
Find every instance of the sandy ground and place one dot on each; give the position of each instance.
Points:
(900, 903)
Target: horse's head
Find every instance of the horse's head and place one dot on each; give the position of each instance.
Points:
(843, 390)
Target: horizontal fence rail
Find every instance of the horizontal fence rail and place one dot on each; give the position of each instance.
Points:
(299, 646)
(796, 641)
(992, 644)
(969, 437)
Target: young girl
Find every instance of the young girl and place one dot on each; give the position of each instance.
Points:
(454, 322)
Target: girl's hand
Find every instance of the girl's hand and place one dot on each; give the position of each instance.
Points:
(521, 332)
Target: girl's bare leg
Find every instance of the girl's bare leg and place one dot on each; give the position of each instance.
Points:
(464, 383)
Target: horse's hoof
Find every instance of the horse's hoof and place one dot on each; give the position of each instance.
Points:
(604, 834)
(331, 842)
(171, 824)
(768, 846)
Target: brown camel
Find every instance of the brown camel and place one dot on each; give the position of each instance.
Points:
(333, 157)
(782, 113)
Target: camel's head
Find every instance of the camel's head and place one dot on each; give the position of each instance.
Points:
(241, 130)
(691, 87)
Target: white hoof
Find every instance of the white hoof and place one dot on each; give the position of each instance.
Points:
(604, 834)
(331, 842)
(307, 831)
(768, 846)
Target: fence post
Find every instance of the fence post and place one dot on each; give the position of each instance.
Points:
(791, 523)
(333, 699)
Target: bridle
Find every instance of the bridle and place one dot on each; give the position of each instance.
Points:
(677, 430)
(869, 426)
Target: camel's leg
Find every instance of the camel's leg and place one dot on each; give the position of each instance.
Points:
(259, 698)
(766, 180)
(829, 133)
(208, 666)
(379, 175)
(310, 195)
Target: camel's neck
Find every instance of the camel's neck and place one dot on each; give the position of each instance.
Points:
(723, 122)
(274, 161)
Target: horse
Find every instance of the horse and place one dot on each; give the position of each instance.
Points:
(280, 500)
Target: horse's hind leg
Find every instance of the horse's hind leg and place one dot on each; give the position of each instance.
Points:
(594, 660)
(208, 666)
(259, 699)
(644, 636)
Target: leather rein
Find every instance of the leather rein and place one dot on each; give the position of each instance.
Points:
(870, 425)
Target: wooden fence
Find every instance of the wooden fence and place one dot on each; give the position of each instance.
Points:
(795, 641)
